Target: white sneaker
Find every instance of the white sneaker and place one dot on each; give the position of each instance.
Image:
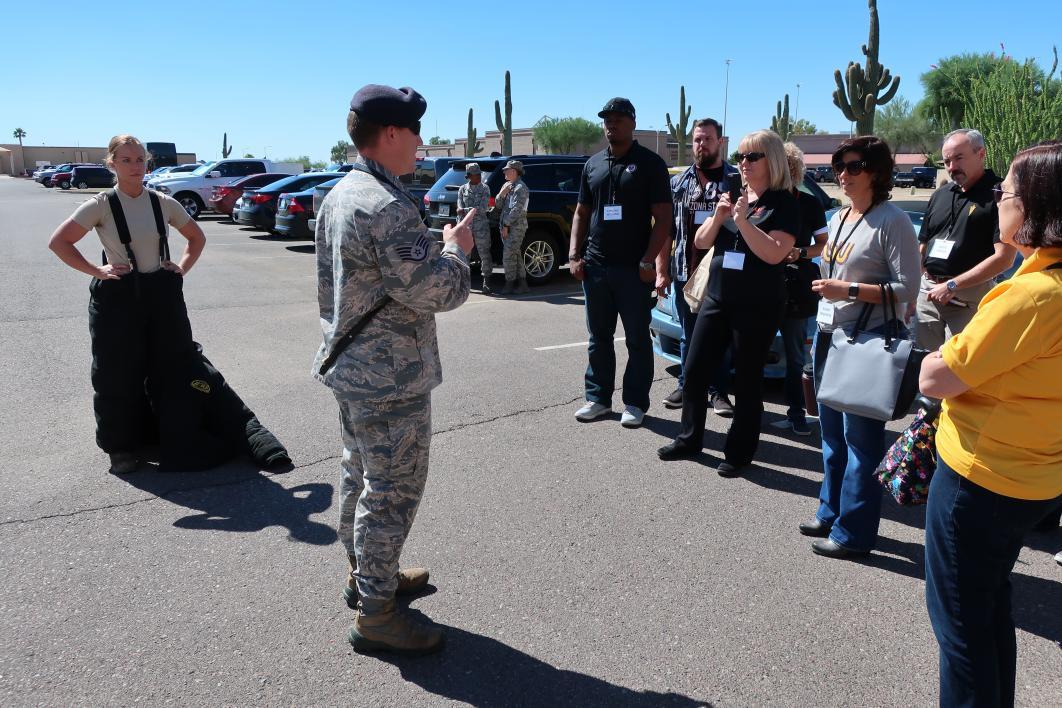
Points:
(592, 411)
(632, 417)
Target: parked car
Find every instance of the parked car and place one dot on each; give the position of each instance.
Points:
(223, 198)
(425, 175)
(84, 177)
(169, 170)
(294, 210)
(553, 183)
(61, 177)
(45, 176)
(666, 329)
(822, 173)
(925, 177)
(319, 193)
(36, 174)
(258, 207)
(192, 189)
(903, 179)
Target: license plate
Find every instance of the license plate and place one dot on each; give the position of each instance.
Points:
(283, 205)
(444, 210)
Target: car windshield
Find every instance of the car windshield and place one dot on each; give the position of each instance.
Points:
(454, 178)
(203, 169)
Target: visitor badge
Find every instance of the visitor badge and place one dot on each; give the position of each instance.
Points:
(701, 215)
(825, 314)
(941, 248)
(734, 260)
(613, 212)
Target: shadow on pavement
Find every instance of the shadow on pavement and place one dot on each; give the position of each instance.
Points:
(240, 498)
(484, 672)
(302, 248)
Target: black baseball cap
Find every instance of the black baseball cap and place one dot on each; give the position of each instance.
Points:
(384, 105)
(618, 105)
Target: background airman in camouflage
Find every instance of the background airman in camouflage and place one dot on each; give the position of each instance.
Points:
(475, 194)
(372, 249)
(513, 198)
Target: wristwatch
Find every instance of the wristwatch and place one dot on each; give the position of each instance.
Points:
(646, 265)
(804, 253)
(952, 286)
(853, 291)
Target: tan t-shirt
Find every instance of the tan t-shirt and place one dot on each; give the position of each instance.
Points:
(96, 214)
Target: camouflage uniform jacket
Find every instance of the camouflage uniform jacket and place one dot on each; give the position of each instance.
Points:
(372, 242)
(474, 196)
(514, 205)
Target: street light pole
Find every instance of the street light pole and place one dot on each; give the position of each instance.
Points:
(726, 95)
(796, 116)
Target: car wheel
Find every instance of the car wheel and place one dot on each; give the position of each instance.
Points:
(64, 185)
(82, 185)
(191, 204)
(540, 256)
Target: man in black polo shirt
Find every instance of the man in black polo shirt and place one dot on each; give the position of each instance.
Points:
(959, 242)
(621, 224)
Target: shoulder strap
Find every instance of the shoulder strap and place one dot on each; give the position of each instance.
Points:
(343, 342)
(122, 226)
(160, 225)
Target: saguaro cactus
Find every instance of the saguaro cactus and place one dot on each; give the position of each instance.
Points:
(679, 132)
(864, 87)
(781, 123)
(472, 146)
(226, 149)
(506, 126)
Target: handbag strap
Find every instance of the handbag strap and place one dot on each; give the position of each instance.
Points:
(343, 342)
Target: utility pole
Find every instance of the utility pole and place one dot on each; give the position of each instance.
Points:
(726, 95)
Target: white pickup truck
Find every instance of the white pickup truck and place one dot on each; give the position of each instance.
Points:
(192, 189)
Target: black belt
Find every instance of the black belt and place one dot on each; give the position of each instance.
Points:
(939, 278)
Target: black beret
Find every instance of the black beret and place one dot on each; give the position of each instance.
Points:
(389, 106)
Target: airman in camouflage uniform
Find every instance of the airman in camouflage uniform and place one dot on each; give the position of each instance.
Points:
(373, 248)
(475, 194)
(513, 198)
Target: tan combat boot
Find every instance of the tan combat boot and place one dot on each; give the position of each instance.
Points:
(383, 627)
(410, 580)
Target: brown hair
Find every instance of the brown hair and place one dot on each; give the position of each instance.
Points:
(1037, 177)
(120, 141)
(876, 153)
(708, 123)
(364, 133)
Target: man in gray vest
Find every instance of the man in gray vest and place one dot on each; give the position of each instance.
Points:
(381, 279)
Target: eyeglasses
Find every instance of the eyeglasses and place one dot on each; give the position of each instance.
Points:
(998, 192)
(750, 156)
(852, 167)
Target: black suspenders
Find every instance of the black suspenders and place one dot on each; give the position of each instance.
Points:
(123, 230)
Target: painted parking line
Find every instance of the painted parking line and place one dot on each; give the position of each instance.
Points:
(573, 344)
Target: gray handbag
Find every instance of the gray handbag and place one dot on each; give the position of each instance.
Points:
(870, 374)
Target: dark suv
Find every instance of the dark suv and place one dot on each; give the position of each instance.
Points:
(553, 183)
(821, 173)
(925, 176)
(83, 177)
(425, 175)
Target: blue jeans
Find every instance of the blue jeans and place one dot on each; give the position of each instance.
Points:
(794, 332)
(852, 448)
(973, 537)
(617, 292)
(721, 378)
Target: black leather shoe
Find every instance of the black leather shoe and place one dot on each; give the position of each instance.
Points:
(729, 470)
(674, 399)
(815, 527)
(831, 549)
(676, 451)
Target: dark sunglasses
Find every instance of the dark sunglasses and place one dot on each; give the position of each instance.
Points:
(998, 192)
(750, 156)
(853, 167)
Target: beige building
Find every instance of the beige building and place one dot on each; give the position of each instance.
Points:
(818, 149)
(15, 160)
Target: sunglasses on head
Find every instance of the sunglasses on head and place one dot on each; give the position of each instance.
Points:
(998, 192)
(750, 156)
(852, 167)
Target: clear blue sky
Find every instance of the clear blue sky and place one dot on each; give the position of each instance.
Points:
(280, 74)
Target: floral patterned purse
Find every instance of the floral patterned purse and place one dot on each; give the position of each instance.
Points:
(909, 464)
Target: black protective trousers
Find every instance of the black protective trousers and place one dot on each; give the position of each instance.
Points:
(140, 330)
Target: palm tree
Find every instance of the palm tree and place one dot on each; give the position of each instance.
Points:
(18, 135)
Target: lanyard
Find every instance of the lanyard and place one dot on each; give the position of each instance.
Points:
(838, 246)
(364, 167)
(612, 178)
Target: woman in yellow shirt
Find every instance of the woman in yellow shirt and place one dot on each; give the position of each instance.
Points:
(999, 443)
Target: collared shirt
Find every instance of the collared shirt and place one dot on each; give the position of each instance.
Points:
(634, 182)
(372, 243)
(687, 199)
(969, 220)
(999, 433)
(474, 196)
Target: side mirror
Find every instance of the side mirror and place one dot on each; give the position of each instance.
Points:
(214, 175)
(835, 203)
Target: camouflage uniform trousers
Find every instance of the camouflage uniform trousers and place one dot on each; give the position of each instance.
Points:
(481, 233)
(384, 468)
(513, 252)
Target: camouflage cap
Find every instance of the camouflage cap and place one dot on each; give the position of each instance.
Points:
(514, 165)
(473, 168)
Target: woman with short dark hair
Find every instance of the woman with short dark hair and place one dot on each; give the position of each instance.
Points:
(999, 444)
(871, 242)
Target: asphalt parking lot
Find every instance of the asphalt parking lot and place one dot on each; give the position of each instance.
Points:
(571, 566)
